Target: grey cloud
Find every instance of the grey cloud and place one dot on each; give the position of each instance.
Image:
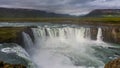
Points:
(62, 6)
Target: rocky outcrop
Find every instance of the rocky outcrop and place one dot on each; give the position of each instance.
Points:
(7, 65)
(94, 31)
(110, 34)
(113, 64)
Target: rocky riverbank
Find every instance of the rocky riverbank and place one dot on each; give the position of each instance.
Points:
(7, 65)
(113, 64)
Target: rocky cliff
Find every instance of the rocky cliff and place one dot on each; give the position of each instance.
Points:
(113, 64)
(110, 34)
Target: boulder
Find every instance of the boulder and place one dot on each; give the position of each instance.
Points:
(8, 65)
(113, 64)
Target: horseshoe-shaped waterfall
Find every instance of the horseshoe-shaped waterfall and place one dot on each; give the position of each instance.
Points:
(68, 47)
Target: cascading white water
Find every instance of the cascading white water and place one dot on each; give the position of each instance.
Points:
(87, 33)
(99, 35)
(63, 33)
(27, 42)
(64, 47)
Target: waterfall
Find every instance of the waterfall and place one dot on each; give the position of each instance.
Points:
(65, 47)
(88, 33)
(99, 35)
(28, 43)
(64, 33)
(68, 47)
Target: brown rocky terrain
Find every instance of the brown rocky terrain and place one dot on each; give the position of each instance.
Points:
(113, 64)
(7, 65)
(110, 34)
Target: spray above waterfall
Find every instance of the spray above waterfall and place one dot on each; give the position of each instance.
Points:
(65, 47)
(69, 46)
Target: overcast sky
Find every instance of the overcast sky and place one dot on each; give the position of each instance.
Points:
(73, 7)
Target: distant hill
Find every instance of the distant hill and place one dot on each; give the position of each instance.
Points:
(27, 13)
(104, 13)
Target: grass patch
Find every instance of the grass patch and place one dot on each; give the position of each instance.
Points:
(81, 20)
(8, 34)
(84, 19)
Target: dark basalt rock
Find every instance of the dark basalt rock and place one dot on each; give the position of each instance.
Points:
(93, 32)
(110, 34)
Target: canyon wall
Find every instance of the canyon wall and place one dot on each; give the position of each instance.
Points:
(14, 34)
(110, 34)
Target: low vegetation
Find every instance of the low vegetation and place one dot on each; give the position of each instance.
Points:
(8, 34)
(74, 20)
(97, 21)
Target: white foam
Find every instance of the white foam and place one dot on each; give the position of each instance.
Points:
(64, 48)
(18, 50)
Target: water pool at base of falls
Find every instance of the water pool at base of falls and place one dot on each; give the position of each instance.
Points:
(69, 47)
(12, 53)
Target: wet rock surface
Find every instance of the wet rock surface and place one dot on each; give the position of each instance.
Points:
(109, 34)
(7, 65)
(113, 64)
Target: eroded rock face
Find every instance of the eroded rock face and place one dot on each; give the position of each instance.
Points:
(94, 33)
(110, 34)
(113, 64)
